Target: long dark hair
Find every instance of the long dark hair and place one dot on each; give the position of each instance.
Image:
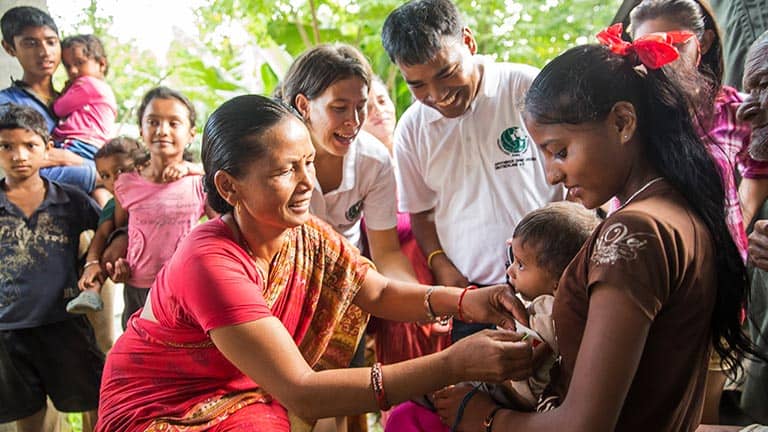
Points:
(582, 85)
(232, 139)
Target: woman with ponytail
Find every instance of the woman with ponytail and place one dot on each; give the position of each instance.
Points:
(661, 281)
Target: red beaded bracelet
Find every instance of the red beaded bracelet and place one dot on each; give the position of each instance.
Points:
(461, 299)
(377, 383)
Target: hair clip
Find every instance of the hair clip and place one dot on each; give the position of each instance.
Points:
(654, 50)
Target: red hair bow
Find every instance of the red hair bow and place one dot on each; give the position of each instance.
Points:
(654, 50)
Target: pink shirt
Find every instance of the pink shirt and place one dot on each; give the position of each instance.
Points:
(87, 111)
(160, 215)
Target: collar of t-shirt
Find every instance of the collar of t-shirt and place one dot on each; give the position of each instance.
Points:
(487, 89)
(25, 88)
(54, 195)
(348, 167)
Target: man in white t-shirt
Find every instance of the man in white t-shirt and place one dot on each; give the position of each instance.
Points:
(466, 170)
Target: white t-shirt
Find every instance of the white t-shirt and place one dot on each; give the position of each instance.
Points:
(480, 172)
(367, 189)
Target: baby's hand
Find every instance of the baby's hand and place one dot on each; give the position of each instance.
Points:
(175, 172)
(119, 271)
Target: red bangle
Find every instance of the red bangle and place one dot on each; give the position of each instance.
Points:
(377, 383)
(461, 299)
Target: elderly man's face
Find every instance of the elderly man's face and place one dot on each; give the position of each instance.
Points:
(754, 109)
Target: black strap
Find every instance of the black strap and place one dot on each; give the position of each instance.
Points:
(463, 405)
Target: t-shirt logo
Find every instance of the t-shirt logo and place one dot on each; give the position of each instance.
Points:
(353, 213)
(513, 142)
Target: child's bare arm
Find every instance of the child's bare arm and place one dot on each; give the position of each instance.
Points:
(182, 169)
(92, 273)
(121, 215)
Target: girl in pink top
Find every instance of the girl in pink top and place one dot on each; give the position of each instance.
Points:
(159, 212)
(87, 107)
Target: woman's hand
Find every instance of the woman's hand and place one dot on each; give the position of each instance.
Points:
(496, 304)
(490, 355)
(447, 402)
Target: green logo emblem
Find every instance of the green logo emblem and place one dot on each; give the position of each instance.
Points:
(353, 213)
(513, 142)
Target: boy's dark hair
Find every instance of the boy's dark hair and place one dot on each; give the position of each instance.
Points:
(167, 93)
(233, 139)
(16, 20)
(92, 47)
(14, 116)
(124, 147)
(413, 33)
(582, 85)
(318, 68)
(556, 232)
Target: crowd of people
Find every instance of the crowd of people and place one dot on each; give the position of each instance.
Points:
(555, 249)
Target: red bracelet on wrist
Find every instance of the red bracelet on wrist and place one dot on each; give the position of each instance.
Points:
(461, 299)
(377, 383)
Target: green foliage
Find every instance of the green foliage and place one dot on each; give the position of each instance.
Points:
(245, 46)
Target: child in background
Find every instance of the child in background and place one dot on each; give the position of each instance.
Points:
(158, 210)
(87, 108)
(543, 244)
(40, 226)
(117, 156)
(31, 36)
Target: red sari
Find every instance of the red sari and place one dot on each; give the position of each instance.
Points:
(168, 376)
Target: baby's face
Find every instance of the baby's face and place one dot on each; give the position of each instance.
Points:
(78, 64)
(526, 276)
(110, 167)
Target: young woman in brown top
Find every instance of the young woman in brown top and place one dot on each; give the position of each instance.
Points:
(661, 280)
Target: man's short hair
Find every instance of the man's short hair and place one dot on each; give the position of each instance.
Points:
(413, 32)
(14, 116)
(16, 20)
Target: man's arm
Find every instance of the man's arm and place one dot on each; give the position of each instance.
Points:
(443, 270)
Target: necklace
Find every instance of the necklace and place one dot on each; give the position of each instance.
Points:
(644, 187)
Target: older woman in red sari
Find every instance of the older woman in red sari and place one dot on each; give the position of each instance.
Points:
(254, 311)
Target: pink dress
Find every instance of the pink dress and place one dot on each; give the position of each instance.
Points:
(87, 111)
(160, 215)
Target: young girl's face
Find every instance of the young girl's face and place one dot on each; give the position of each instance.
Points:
(589, 159)
(381, 113)
(335, 117)
(525, 274)
(78, 64)
(166, 129)
(110, 167)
